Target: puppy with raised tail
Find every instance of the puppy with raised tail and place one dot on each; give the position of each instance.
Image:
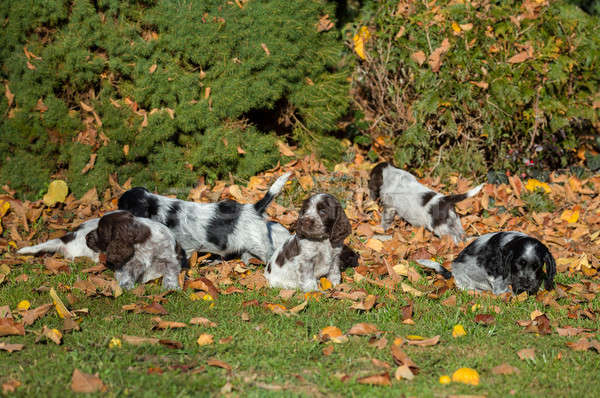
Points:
(316, 250)
(225, 228)
(497, 260)
(401, 194)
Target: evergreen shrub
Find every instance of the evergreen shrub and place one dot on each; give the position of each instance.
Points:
(162, 91)
(517, 85)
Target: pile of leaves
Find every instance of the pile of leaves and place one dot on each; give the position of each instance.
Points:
(162, 91)
(481, 84)
(386, 282)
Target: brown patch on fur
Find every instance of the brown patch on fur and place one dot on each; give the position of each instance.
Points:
(376, 180)
(289, 250)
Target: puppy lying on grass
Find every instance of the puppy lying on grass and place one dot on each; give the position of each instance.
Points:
(498, 260)
(402, 194)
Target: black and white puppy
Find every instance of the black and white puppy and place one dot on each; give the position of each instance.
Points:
(317, 248)
(70, 245)
(402, 194)
(499, 259)
(224, 228)
(138, 250)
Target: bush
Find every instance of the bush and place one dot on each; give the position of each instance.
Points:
(161, 91)
(516, 83)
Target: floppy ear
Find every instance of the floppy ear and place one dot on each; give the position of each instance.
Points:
(550, 270)
(118, 252)
(505, 260)
(341, 227)
(92, 241)
(137, 232)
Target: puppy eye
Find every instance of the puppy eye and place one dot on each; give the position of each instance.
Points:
(522, 262)
(322, 211)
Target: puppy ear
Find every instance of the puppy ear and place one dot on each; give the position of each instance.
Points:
(118, 252)
(138, 232)
(550, 270)
(92, 241)
(341, 227)
(506, 259)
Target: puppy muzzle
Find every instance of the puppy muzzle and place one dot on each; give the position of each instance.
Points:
(308, 228)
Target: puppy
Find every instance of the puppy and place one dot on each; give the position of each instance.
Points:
(224, 228)
(499, 259)
(70, 245)
(402, 194)
(137, 249)
(316, 248)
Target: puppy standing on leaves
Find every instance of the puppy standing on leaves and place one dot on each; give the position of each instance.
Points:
(401, 194)
(316, 250)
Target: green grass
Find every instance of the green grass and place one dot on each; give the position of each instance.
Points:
(271, 350)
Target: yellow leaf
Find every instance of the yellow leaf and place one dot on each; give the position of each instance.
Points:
(375, 244)
(62, 311)
(455, 27)
(570, 216)
(115, 342)
(409, 289)
(207, 297)
(359, 40)
(331, 332)
(23, 305)
(466, 376)
(4, 206)
(445, 379)
(312, 295)
(57, 192)
(415, 337)
(458, 331)
(306, 182)
(325, 283)
(205, 339)
(533, 184)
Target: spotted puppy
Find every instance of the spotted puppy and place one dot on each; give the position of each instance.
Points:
(317, 248)
(225, 228)
(498, 260)
(402, 194)
(137, 249)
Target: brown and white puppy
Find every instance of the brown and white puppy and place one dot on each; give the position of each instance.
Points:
(401, 194)
(137, 249)
(316, 250)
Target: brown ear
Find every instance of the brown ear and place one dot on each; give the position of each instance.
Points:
(118, 252)
(138, 233)
(92, 241)
(341, 227)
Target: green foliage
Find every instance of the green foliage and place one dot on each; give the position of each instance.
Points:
(153, 87)
(493, 109)
(537, 201)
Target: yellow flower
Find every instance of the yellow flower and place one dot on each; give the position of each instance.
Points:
(23, 305)
(445, 379)
(466, 376)
(458, 331)
(533, 184)
(114, 343)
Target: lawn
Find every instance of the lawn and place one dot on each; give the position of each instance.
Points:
(266, 341)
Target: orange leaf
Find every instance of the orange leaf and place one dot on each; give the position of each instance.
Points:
(419, 57)
(362, 329)
(382, 379)
(83, 382)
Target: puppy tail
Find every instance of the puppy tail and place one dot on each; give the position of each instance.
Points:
(437, 267)
(462, 196)
(50, 246)
(275, 190)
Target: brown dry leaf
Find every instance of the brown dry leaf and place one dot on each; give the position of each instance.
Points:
(9, 95)
(10, 347)
(30, 316)
(570, 331)
(90, 164)
(425, 342)
(86, 107)
(286, 294)
(366, 304)
(136, 340)
(56, 265)
(584, 344)
(505, 369)
(203, 322)
(330, 332)
(285, 150)
(51, 334)
(526, 353)
(299, 307)
(152, 68)
(324, 24)
(520, 57)
(419, 57)
(450, 301)
(264, 47)
(400, 358)
(8, 327)
(155, 309)
(485, 319)
(161, 324)
(219, 364)
(306, 182)
(435, 59)
(404, 372)
(382, 379)
(70, 325)
(482, 85)
(83, 382)
(362, 329)
(328, 350)
(411, 290)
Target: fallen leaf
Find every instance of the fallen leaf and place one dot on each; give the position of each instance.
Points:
(8, 327)
(411, 290)
(162, 324)
(57, 193)
(426, 342)
(219, 364)
(51, 334)
(83, 382)
(285, 150)
(90, 164)
(154, 308)
(366, 304)
(9, 95)
(203, 322)
(527, 353)
(458, 331)
(11, 347)
(205, 339)
(400, 358)
(466, 376)
(171, 344)
(264, 47)
(505, 369)
(324, 24)
(359, 40)
(435, 58)
(362, 329)
(485, 319)
(328, 350)
(136, 340)
(419, 57)
(404, 372)
(152, 68)
(382, 379)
